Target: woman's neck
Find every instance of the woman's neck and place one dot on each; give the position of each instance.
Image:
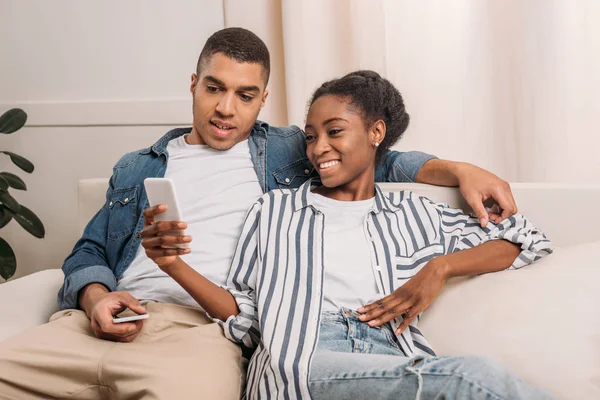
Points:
(353, 191)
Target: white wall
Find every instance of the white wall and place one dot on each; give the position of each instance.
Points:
(97, 79)
(509, 85)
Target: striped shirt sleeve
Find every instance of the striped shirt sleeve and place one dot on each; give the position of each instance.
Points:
(462, 231)
(241, 283)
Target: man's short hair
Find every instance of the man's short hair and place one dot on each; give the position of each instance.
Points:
(240, 45)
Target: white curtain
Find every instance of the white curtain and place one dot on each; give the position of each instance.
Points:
(512, 86)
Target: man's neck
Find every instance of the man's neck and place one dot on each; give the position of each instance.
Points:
(194, 137)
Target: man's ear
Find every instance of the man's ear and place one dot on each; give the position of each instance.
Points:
(378, 130)
(194, 83)
(264, 98)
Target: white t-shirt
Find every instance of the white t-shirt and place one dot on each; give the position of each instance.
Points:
(214, 190)
(349, 278)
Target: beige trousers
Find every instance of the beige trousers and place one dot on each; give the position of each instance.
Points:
(179, 354)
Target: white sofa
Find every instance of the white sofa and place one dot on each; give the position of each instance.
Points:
(542, 321)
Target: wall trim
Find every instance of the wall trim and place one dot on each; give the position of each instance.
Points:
(176, 111)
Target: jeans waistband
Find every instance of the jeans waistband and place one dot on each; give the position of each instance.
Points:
(339, 316)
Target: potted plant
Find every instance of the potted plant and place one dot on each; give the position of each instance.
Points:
(10, 122)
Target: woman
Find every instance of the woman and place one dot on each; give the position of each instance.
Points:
(330, 279)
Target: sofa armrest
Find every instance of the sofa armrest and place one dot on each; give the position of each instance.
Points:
(29, 301)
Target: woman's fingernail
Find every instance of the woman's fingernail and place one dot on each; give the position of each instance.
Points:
(360, 310)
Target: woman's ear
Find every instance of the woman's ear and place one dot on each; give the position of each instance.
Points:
(377, 132)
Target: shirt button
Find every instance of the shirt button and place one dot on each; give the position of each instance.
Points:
(126, 199)
(378, 268)
(110, 204)
(287, 180)
(260, 153)
(306, 171)
(137, 236)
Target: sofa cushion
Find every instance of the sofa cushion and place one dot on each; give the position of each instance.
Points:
(29, 301)
(542, 322)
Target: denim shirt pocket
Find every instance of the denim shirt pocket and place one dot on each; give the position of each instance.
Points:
(122, 213)
(293, 175)
(407, 266)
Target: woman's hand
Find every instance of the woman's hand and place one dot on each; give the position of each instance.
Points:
(158, 239)
(410, 299)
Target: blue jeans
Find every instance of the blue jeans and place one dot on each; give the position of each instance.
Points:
(355, 361)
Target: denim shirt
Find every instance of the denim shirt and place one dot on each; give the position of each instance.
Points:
(111, 239)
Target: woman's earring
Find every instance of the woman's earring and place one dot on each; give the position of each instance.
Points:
(376, 144)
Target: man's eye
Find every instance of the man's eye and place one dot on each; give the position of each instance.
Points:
(245, 97)
(212, 89)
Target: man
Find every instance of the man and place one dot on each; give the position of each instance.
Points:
(220, 166)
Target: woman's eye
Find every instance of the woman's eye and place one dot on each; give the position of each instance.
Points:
(309, 138)
(334, 131)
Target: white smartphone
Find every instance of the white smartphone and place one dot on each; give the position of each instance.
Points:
(162, 191)
(128, 316)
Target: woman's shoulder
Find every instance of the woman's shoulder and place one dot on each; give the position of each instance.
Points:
(281, 197)
(403, 198)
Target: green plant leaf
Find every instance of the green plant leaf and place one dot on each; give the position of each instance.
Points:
(20, 162)
(8, 261)
(3, 184)
(29, 221)
(5, 217)
(14, 181)
(12, 120)
(9, 201)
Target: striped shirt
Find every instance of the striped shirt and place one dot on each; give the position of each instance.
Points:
(277, 274)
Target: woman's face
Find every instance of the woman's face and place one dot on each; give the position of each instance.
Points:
(339, 145)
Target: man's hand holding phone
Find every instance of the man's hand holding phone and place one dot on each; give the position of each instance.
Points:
(163, 236)
(160, 237)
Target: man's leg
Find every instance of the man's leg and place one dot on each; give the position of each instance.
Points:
(337, 375)
(180, 354)
(55, 360)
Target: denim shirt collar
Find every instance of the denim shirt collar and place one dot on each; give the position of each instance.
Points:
(160, 147)
(259, 130)
(257, 143)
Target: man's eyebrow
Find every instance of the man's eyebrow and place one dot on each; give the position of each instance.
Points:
(250, 88)
(214, 80)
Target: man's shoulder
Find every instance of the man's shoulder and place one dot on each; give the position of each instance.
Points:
(280, 131)
(131, 157)
(157, 147)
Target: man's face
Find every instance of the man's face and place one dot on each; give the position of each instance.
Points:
(228, 96)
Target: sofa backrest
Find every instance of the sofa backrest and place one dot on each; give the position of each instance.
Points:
(565, 213)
